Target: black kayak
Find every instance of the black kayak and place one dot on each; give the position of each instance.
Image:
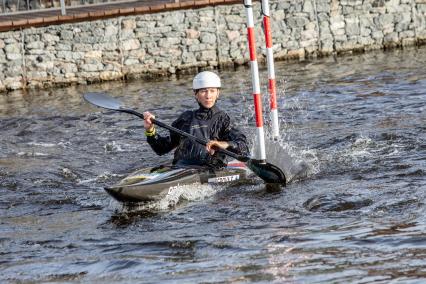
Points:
(152, 184)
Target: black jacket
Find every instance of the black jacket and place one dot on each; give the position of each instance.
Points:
(209, 124)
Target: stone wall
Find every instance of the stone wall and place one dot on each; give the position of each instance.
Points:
(215, 36)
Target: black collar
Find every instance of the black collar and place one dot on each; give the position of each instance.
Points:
(206, 113)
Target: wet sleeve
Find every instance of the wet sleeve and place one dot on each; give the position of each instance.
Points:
(164, 144)
(236, 139)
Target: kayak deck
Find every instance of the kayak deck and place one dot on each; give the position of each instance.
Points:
(152, 184)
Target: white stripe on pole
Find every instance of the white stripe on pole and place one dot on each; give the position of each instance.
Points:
(270, 60)
(250, 18)
(255, 77)
(275, 124)
(265, 8)
(260, 137)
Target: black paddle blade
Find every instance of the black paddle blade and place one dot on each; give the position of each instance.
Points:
(268, 172)
(102, 100)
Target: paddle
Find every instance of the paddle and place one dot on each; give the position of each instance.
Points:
(266, 171)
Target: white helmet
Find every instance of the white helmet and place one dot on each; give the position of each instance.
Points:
(206, 79)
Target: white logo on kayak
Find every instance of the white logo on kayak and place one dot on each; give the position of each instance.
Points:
(223, 179)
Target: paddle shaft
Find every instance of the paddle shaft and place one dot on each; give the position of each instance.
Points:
(185, 134)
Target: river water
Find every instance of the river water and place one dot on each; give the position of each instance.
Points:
(356, 213)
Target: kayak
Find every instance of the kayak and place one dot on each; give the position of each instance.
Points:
(151, 184)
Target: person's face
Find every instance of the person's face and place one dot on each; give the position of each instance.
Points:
(207, 97)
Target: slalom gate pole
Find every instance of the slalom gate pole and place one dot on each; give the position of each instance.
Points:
(261, 153)
(271, 70)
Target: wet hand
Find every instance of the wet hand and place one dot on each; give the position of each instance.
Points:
(214, 144)
(147, 123)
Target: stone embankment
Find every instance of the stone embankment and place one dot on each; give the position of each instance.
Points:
(214, 36)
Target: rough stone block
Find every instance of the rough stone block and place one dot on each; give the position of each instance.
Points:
(50, 38)
(352, 27)
(208, 38)
(66, 35)
(384, 21)
(209, 55)
(298, 53)
(93, 54)
(297, 22)
(131, 44)
(192, 34)
(13, 56)
(13, 83)
(130, 61)
(128, 24)
(408, 41)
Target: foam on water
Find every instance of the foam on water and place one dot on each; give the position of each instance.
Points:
(32, 154)
(101, 177)
(47, 145)
(191, 192)
(296, 163)
(367, 148)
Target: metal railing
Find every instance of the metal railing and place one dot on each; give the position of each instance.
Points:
(12, 6)
(8, 7)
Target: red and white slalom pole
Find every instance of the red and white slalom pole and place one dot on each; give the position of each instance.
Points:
(261, 153)
(271, 70)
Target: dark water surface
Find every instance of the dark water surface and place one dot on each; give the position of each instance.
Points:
(356, 214)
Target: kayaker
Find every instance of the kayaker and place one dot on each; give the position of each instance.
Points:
(207, 122)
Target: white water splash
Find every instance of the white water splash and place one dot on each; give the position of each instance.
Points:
(360, 150)
(49, 145)
(295, 163)
(32, 154)
(40, 144)
(191, 192)
(112, 147)
(93, 198)
(115, 147)
(102, 177)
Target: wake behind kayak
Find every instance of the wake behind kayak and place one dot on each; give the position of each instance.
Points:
(151, 184)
